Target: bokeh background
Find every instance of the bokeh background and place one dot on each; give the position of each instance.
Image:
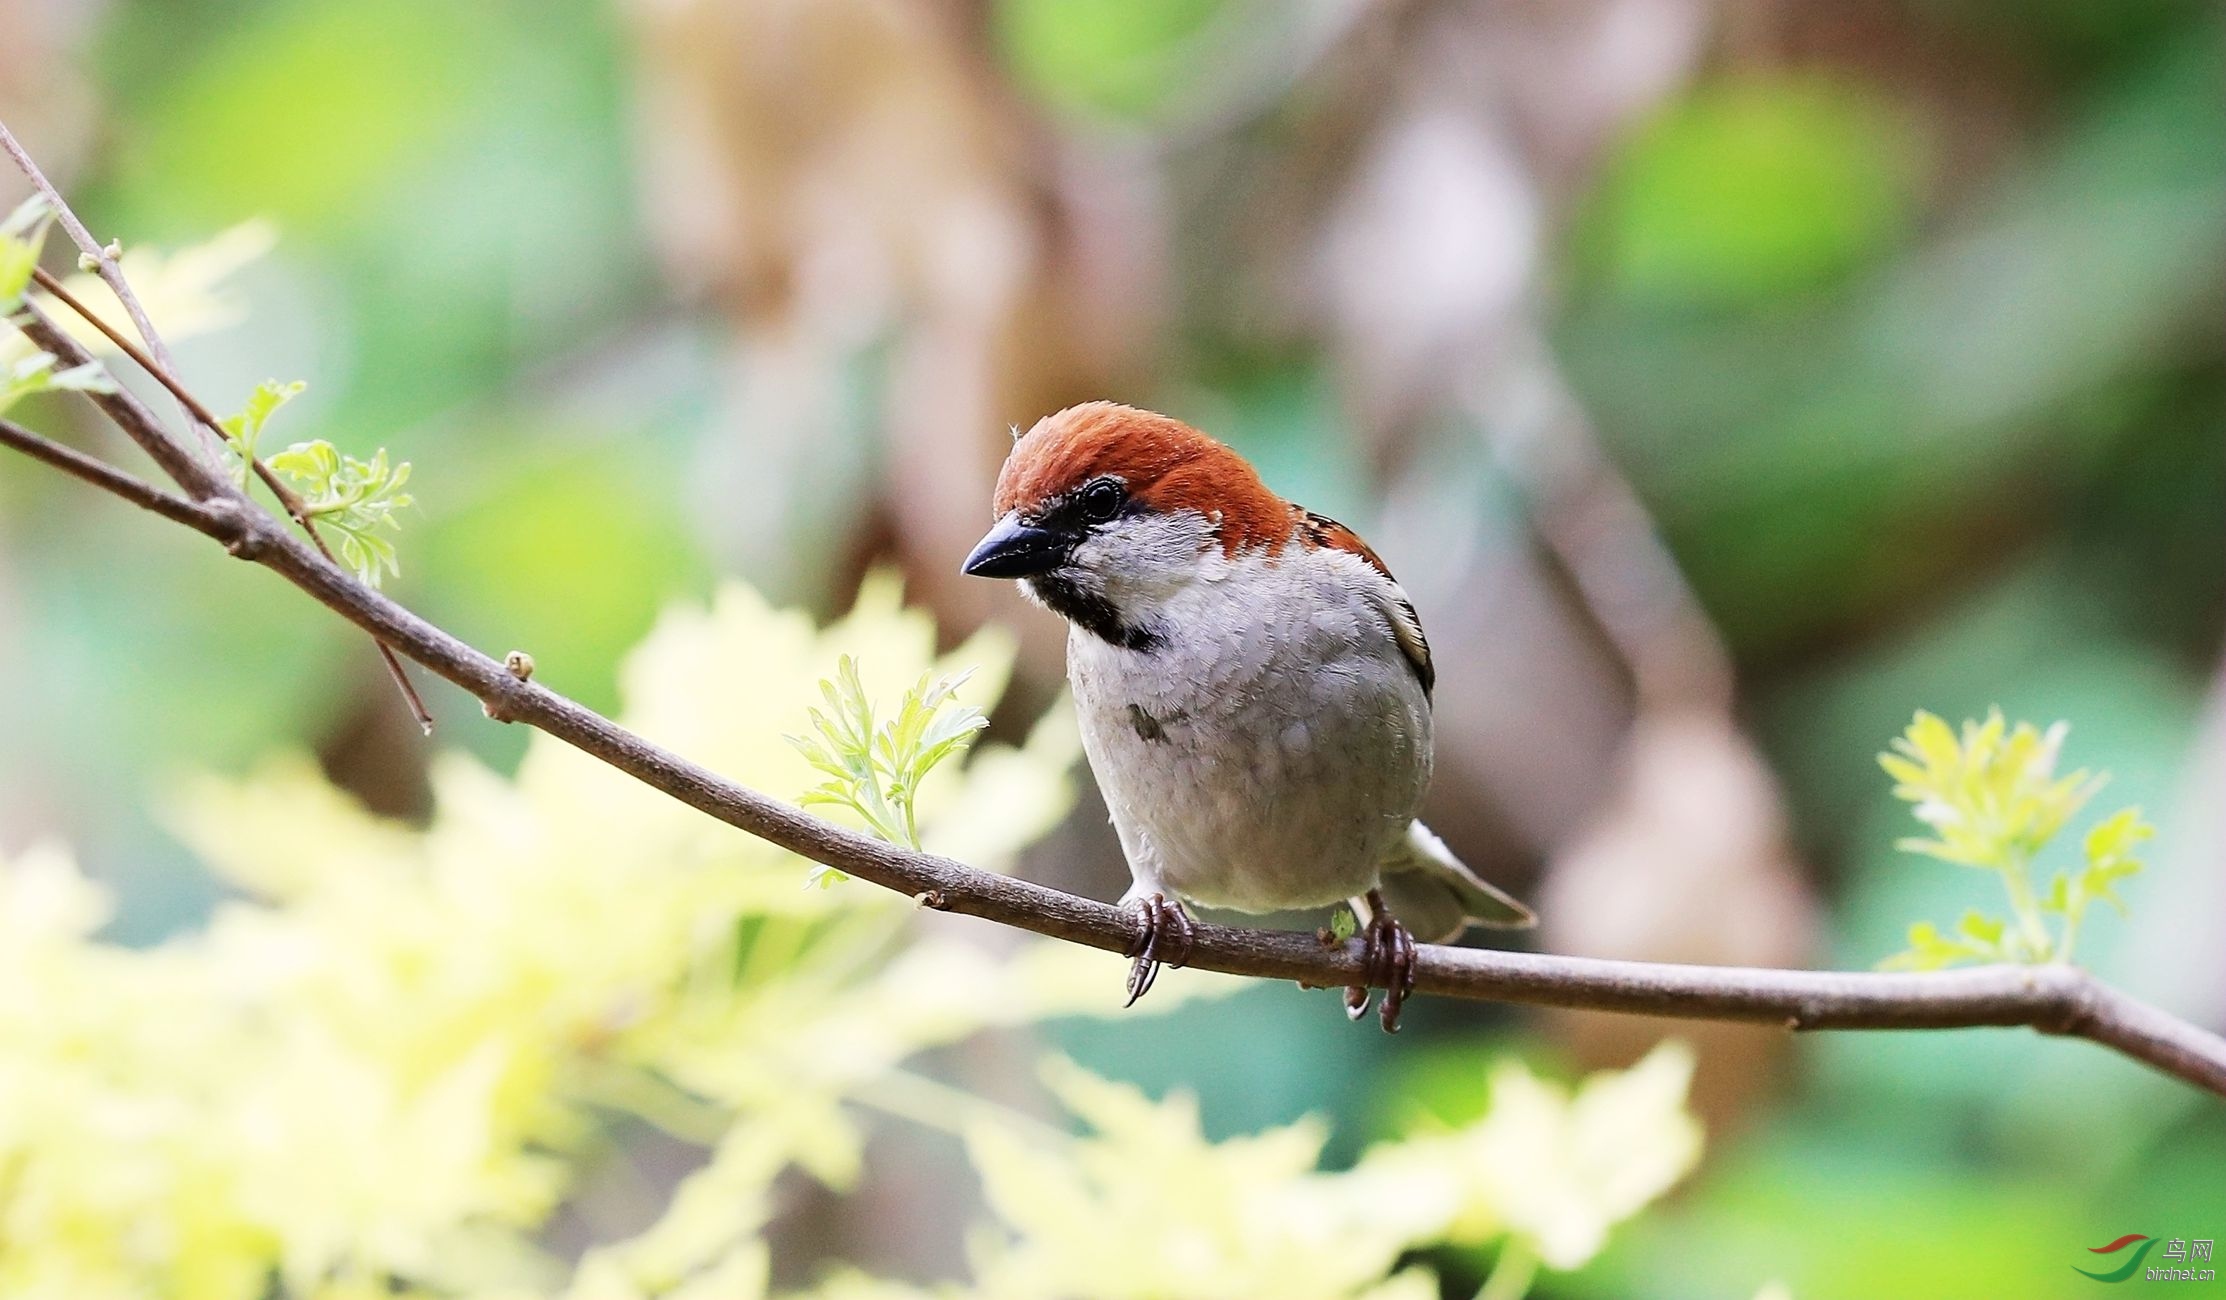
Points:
(1724, 380)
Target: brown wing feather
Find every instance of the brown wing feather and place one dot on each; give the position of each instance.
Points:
(1406, 626)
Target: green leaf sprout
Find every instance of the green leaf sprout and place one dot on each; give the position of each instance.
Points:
(245, 430)
(36, 374)
(1993, 801)
(22, 235)
(355, 498)
(875, 769)
(359, 500)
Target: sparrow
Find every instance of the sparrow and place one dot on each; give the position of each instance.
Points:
(1253, 687)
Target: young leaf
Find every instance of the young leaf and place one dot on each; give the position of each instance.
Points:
(1983, 932)
(36, 374)
(876, 770)
(2112, 842)
(242, 431)
(2109, 847)
(355, 498)
(1992, 799)
(1931, 950)
(22, 235)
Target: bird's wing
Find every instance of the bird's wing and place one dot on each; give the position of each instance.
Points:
(1406, 625)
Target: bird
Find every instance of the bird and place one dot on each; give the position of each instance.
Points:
(1253, 686)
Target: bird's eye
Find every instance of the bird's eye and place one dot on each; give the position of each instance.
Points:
(1102, 500)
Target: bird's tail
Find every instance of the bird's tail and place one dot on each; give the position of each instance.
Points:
(1437, 896)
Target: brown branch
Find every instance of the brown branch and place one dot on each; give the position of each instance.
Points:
(102, 475)
(2052, 999)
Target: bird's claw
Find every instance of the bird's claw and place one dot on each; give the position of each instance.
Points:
(1387, 958)
(1163, 934)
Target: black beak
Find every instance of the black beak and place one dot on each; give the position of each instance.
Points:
(1016, 550)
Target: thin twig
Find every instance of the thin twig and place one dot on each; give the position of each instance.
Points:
(195, 409)
(129, 413)
(199, 412)
(2052, 999)
(92, 248)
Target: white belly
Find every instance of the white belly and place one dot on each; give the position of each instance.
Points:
(1261, 762)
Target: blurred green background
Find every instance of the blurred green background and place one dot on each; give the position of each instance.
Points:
(1901, 321)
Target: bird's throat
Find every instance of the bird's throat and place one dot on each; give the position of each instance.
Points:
(1092, 611)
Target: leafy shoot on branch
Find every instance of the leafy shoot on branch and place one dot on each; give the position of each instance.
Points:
(244, 431)
(354, 498)
(1993, 801)
(875, 769)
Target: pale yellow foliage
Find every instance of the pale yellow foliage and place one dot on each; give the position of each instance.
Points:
(1145, 1207)
(376, 1073)
(1990, 795)
(1992, 799)
(373, 1068)
(1555, 1167)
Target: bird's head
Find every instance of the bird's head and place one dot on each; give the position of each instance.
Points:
(1105, 512)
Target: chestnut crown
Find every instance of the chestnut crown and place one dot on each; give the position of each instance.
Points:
(1079, 459)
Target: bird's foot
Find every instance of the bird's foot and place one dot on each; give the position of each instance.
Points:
(1163, 934)
(1388, 958)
